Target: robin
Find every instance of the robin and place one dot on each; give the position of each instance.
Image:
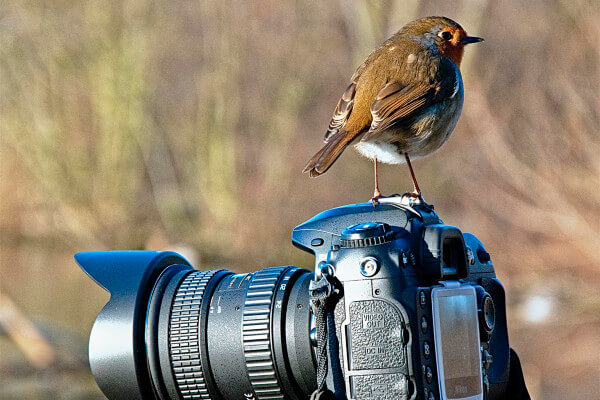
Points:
(404, 100)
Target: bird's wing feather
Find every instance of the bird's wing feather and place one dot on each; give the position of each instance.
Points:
(342, 111)
(396, 102)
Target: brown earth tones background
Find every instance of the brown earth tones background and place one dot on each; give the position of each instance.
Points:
(130, 124)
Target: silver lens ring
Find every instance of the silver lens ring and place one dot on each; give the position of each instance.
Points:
(256, 333)
(184, 336)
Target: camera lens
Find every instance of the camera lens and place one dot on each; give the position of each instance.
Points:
(219, 335)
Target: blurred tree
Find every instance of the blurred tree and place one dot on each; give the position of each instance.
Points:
(134, 123)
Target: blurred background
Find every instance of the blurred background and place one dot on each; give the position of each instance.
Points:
(132, 124)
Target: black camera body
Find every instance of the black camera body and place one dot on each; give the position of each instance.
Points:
(420, 315)
(388, 268)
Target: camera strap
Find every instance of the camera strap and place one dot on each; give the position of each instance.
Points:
(324, 295)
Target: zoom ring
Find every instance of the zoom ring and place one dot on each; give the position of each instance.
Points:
(256, 333)
(184, 348)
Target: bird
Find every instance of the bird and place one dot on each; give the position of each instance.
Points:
(403, 101)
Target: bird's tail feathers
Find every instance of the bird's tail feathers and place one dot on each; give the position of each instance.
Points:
(325, 157)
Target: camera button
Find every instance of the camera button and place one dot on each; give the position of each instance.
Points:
(369, 267)
(426, 349)
(422, 299)
(483, 256)
(488, 359)
(316, 242)
(428, 375)
(424, 324)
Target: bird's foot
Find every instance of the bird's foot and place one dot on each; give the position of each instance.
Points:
(413, 197)
(375, 199)
(376, 196)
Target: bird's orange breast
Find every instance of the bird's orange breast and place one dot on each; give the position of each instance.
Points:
(454, 52)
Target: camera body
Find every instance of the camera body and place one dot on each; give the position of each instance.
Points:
(391, 259)
(421, 316)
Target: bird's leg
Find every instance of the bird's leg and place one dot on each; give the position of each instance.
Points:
(376, 192)
(417, 190)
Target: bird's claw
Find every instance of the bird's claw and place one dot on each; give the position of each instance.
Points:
(376, 196)
(413, 197)
(375, 199)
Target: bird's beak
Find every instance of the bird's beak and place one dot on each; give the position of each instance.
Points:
(472, 39)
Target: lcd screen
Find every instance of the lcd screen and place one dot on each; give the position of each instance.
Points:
(457, 338)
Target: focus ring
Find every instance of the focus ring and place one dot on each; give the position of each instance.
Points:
(256, 333)
(184, 346)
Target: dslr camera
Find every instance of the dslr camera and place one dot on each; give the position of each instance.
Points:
(398, 306)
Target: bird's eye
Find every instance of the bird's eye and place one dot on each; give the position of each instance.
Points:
(446, 35)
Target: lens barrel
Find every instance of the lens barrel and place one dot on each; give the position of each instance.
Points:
(172, 332)
(219, 335)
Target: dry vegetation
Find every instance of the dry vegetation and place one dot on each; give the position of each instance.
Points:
(154, 124)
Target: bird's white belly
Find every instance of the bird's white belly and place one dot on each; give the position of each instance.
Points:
(384, 152)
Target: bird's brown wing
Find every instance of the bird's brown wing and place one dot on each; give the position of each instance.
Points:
(337, 138)
(396, 102)
(342, 110)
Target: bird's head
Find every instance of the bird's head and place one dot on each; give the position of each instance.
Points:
(443, 34)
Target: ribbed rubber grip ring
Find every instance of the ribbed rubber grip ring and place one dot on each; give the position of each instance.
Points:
(256, 333)
(184, 346)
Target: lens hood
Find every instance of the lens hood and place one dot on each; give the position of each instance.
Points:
(117, 347)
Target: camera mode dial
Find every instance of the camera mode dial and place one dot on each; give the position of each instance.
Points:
(366, 234)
